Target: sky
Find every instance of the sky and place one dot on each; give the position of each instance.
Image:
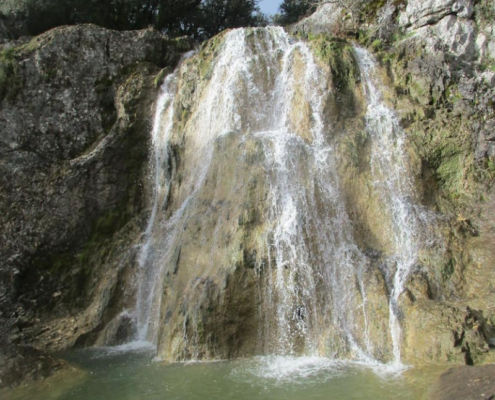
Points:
(269, 6)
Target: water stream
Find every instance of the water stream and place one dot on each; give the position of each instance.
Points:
(268, 88)
(392, 180)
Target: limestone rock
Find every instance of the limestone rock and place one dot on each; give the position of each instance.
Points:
(328, 18)
(74, 188)
(429, 12)
(74, 118)
(453, 34)
(437, 56)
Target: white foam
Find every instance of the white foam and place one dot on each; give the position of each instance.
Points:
(138, 346)
(286, 369)
(282, 368)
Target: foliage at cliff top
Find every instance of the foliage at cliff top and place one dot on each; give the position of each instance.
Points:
(200, 19)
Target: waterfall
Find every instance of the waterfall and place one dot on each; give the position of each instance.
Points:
(390, 167)
(150, 271)
(311, 243)
(259, 87)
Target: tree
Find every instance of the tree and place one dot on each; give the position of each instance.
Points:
(178, 17)
(291, 11)
(43, 15)
(198, 18)
(218, 15)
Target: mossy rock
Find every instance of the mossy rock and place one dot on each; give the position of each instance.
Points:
(10, 80)
(338, 54)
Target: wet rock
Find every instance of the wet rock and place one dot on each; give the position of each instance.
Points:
(436, 54)
(74, 190)
(19, 364)
(466, 383)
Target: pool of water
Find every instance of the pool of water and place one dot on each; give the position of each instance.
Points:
(110, 374)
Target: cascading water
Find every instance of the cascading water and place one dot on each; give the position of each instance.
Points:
(309, 246)
(262, 88)
(390, 167)
(162, 126)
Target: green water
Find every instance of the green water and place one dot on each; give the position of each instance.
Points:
(132, 376)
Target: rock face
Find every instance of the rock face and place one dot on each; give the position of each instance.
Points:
(436, 57)
(357, 265)
(250, 249)
(75, 113)
(421, 13)
(408, 275)
(19, 364)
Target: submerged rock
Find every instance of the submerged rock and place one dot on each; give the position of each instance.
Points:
(466, 383)
(19, 364)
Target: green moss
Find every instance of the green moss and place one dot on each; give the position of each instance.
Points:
(338, 54)
(376, 45)
(209, 51)
(160, 77)
(388, 57)
(182, 44)
(370, 9)
(10, 80)
(452, 174)
(417, 90)
(448, 269)
(485, 11)
(364, 37)
(184, 115)
(80, 266)
(452, 93)
(32, 45)
(488, 65)
(400, 36)
(106, 225)
(491, 166)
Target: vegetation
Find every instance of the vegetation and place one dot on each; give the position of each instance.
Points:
(485, 11)
(200, 19)
(9, 77)
(339, 56)
(291, 11)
